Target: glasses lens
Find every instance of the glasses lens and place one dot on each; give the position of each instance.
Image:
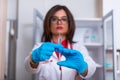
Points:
(55, 19)
(64, 19)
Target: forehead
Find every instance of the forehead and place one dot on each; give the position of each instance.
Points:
(60, 13)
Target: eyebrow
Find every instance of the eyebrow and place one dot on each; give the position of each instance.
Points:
(58, 17)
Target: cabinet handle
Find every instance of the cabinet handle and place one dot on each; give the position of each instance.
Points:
(118, 59)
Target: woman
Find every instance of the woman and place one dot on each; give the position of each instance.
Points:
(58, 57)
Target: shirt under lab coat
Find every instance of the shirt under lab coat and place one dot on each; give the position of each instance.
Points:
(49, 70)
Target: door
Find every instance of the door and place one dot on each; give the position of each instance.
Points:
(3, 16)
(109, 55)
(37, 26)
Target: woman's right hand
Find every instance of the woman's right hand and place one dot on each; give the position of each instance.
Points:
(44, 52)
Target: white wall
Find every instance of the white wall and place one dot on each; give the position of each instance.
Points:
(114, 5)
(79, 8)
(11, 9)
(117, 23)
(107, 6)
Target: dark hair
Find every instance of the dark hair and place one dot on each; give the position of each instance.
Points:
(47, 35)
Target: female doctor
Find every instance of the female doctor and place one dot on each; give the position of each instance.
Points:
(58, 57)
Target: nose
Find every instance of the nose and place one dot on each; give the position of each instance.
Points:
(59, 21)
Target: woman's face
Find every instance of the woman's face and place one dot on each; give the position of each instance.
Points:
(59, 23)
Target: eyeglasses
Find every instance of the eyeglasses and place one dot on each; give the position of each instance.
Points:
(55, 19)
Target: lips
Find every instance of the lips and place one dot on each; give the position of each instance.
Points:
(59, 27)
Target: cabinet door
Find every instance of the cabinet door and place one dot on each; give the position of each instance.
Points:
(109, 55)
(37, 26)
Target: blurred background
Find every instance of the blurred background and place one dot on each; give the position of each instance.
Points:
(97, 24)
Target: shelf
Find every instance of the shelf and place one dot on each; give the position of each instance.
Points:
(118, 50)
(98, 65)
(93, 44)
(109, 69)
(92, 22)
(109, 50)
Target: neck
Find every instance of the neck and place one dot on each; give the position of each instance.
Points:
(55, 38)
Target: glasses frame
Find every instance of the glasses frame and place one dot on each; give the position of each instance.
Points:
(63, 20)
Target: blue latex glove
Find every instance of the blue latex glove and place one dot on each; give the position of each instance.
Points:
(45, 51)
(74, 60)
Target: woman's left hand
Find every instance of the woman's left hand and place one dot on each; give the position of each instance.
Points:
(74, 60)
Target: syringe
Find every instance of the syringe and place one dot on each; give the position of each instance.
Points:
(59, 55)
(59, 42)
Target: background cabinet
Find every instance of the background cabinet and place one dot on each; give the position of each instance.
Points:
(98, 36)
(90, 32)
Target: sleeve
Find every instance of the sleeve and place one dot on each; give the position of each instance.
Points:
(27, 62)
(91, 63)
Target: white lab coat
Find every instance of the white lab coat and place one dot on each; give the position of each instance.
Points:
(50, 70)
